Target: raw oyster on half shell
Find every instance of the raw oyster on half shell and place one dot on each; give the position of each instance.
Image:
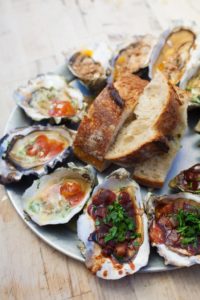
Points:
(50, 97)
(33, 150)
(57, 197)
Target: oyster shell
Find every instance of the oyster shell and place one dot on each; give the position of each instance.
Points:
(91, 64)
(49, 97)
(197, 127)
(174, 50)
(114, 251)
(133, 56)
(57, 197)
(172, 227)
(187, 180)
(32, 150)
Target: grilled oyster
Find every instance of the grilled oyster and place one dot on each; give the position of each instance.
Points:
(173, 51)
(174, 227)
(187, 180)
(113, 228)
(134, 57)
(91, 65)
(49, 97)
(32, 150)
(57, 197)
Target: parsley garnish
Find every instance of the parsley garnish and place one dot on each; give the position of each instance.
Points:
(121, 224)
(196, 99)
(188, 227)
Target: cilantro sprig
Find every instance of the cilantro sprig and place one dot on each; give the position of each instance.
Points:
(121, 224)
(188, 227)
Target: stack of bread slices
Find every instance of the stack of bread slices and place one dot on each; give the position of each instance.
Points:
(134, 123)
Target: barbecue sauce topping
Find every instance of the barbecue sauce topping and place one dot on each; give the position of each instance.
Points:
(177, 224)
(116, 231)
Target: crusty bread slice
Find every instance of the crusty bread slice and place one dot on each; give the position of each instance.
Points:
(104, 119)
(154, 117)
(152, 173)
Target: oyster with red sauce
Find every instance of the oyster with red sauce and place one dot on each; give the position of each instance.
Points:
(174, 227)
(50, 97)
(33, 150)
(57, 197)
(187, 180)
(113, 228)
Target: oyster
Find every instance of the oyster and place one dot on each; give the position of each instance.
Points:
(49, 97)
(187, 180)
(91, 65)
(57, 197)
(114, 229)
(197, 127)
(134, 57)
(191, 80)
(173, 51)
(174, 227)
(32, 150)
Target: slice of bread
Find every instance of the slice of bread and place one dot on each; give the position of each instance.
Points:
(152, 173)
(154, 117)
(105, 118)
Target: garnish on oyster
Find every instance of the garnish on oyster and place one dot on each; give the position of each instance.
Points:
(49, 97)
(32, 150)
(134, 57)
(57, 197)
(91, 65)
(114, 229)
(173, 51)
(174, 222)
(187, 180)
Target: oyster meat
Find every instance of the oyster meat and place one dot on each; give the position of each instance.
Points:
(134, 57)
(174, 222)
(49, 97)
(91, 64)
(57, 197)
(113, 228)
(32, 150)
(173, 51)
(187, 180)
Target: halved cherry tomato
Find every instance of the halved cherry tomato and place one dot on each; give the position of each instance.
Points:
(156, 234)
(72, 192)
(44, 146)
(61, 108)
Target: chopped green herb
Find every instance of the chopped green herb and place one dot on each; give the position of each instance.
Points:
(188, 226)
(121, 224)
(196, 99)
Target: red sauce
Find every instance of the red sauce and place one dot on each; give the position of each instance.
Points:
(44, 146)
(61, 109)
(72, 192)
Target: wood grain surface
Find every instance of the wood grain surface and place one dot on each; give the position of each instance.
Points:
(33, 36)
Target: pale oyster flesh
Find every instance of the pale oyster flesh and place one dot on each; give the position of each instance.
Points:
(56, 198)
(49, 96)
(174, 227)
(118, 247)
(32, 150)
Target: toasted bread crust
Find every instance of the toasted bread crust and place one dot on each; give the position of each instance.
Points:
(104, 119)
(148, 182)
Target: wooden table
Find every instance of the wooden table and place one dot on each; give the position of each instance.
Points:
(33, 35)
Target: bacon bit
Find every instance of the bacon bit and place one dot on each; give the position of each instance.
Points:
(120, 272)
(156, 234)
(132, 266)
(61, 109)
(105, 273)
